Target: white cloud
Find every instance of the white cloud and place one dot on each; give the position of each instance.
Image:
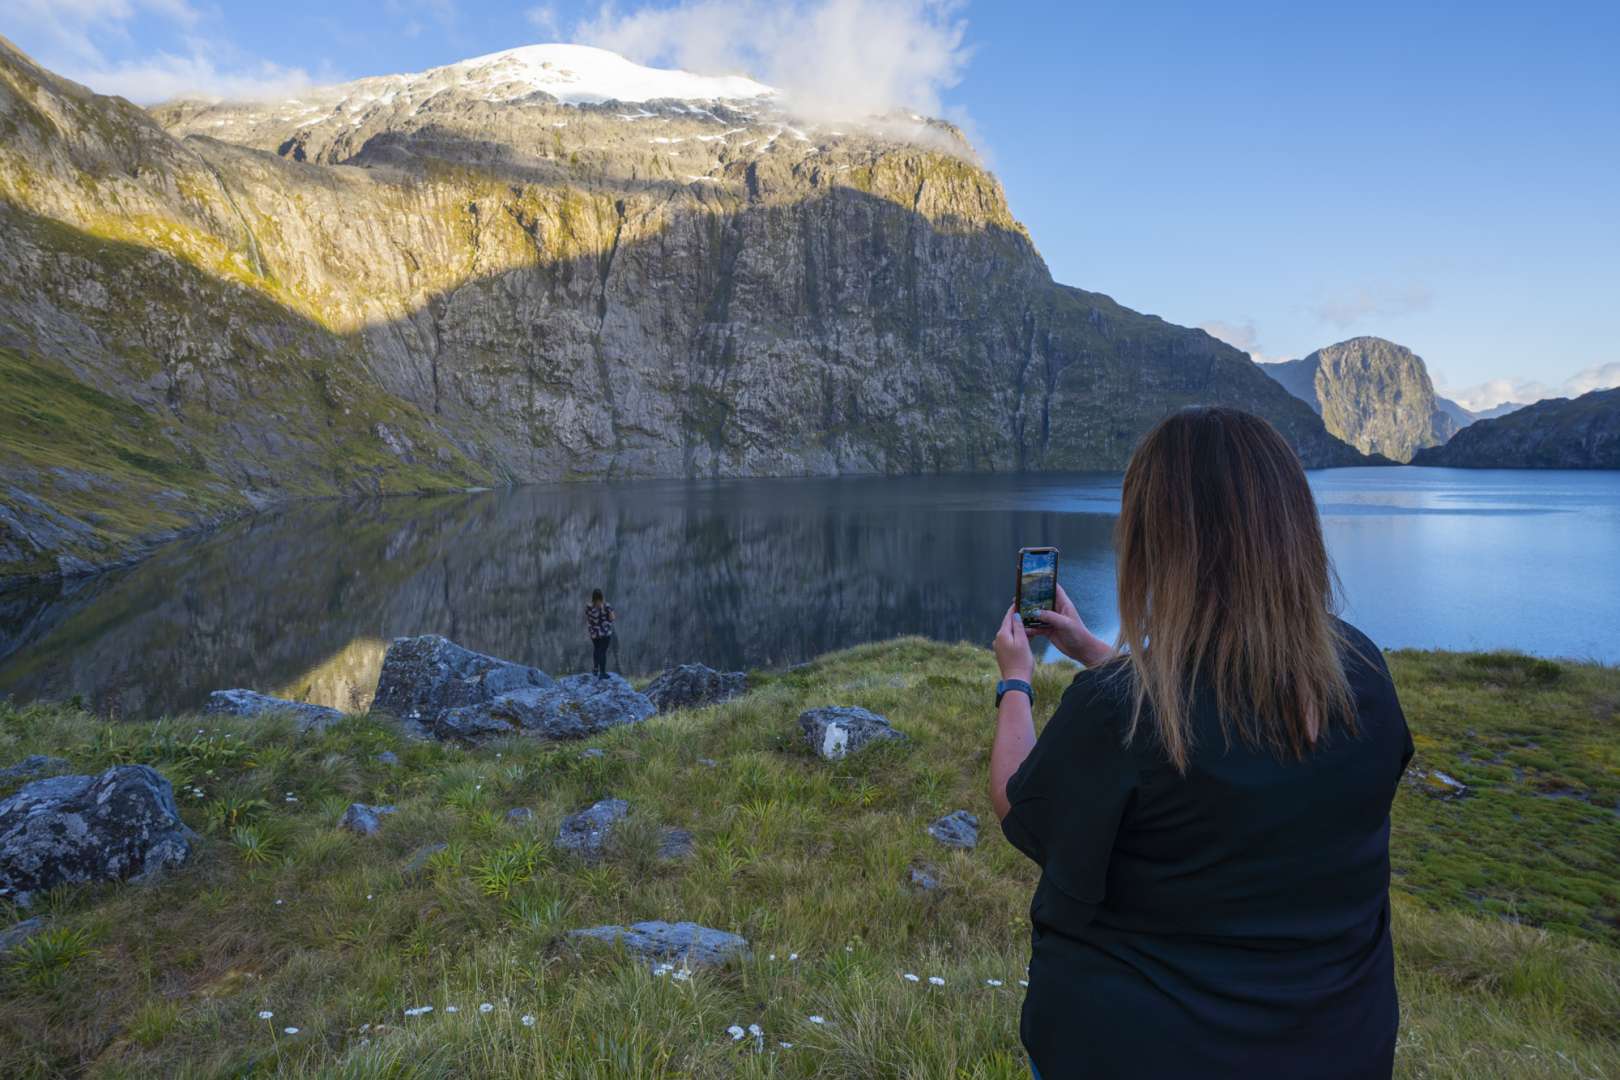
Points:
(1494, 392)
(166, 76)
(544, 20)
(1372, 301)
(1240, 336)
(832, 59)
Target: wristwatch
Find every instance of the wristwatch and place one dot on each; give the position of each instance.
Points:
(1014, 684)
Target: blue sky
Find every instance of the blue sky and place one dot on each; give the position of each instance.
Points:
(1287, 175)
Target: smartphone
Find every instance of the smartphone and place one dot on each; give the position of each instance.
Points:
(1037, 581)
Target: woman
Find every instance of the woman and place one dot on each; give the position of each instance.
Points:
(1209, 805)
(599, 625)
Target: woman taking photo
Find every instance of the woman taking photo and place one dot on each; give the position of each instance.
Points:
(1209, 804)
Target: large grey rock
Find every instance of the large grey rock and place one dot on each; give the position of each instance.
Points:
(956, 829)
(363, 819)
(252, 703)
(578, 706)
(684, 943)
(587, 833)
(17, 933)
(120, 826)
(469, 723)
(838, 730)
(31, 766)
(425, 677)
(692, 685)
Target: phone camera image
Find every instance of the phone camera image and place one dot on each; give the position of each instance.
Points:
(1037, 582)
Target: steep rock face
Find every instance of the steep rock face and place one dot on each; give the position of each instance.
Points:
(1373, 394)
(1559, 433)
(465, 283)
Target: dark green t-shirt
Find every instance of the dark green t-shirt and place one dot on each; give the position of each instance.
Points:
(1232, 922)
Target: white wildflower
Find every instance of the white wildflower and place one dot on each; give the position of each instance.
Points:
(735, 1032)
(289, 1031)
(419, 1010)
(785, 1045)
(792, 957)
(754, 1029)
(773, 956)
(818, 1020)
(266, 1014)
(278, 902)
(486, 1007)
(1023, 982)
(936, 980)
(528, 1021)
(682, 976)
(909, 977)
(992, 982)
(451, 1009)
(364, 1028)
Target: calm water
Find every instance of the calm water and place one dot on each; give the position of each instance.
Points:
(766, 572)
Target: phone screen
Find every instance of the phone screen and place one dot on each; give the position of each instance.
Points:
(1037, 581)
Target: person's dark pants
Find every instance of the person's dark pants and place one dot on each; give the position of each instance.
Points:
(599, 650)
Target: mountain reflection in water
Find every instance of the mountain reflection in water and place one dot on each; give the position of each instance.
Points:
(760, 573)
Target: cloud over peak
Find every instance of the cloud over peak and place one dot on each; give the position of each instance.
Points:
(832, 59)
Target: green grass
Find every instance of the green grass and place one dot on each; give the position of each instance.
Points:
(801, 856)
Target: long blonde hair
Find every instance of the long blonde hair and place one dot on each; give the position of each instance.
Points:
(1224, 582)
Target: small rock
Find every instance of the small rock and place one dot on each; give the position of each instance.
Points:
(17, 933)
(708, 762)
(252, 703)
(923, 881)
(519, 815)
(417, 864)
(683, 943)
(387, 757)
(586, 833)
(593, 752)
(958, 829)
(33, 765)
(675, 844)
(363, 819)
(1436, 784)
(692, 685)
(836, 731)
(122, 825)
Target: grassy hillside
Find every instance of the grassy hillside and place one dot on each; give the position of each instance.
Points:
(281, 912)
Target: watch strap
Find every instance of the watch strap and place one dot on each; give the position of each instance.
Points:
(1014, 684)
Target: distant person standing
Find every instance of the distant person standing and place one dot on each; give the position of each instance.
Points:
(599, 625)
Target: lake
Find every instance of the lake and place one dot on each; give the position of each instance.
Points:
(751, 573)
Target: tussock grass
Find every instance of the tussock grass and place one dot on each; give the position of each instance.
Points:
(282, 912)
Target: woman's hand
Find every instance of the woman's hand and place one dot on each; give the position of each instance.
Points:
(1065, 629)
(1012, 648)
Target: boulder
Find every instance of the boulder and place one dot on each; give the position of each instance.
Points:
(675, 844)
(586, 833)
(363, 819)
(958, 829)
(252, 703)
(32, 766)
(425, 677)
(468, 724)
(683, 943)
(577, 707)
(691, 685)
(120, 826)
(17, 933)
(837, 730)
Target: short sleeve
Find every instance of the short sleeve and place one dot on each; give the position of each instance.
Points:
(1069, 796)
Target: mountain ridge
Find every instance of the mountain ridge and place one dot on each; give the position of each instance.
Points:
(1554, 433)
(472, 295)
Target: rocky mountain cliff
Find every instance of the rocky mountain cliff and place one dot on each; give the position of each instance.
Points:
(494, 273)
(1373, 394)
(1558, 433)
